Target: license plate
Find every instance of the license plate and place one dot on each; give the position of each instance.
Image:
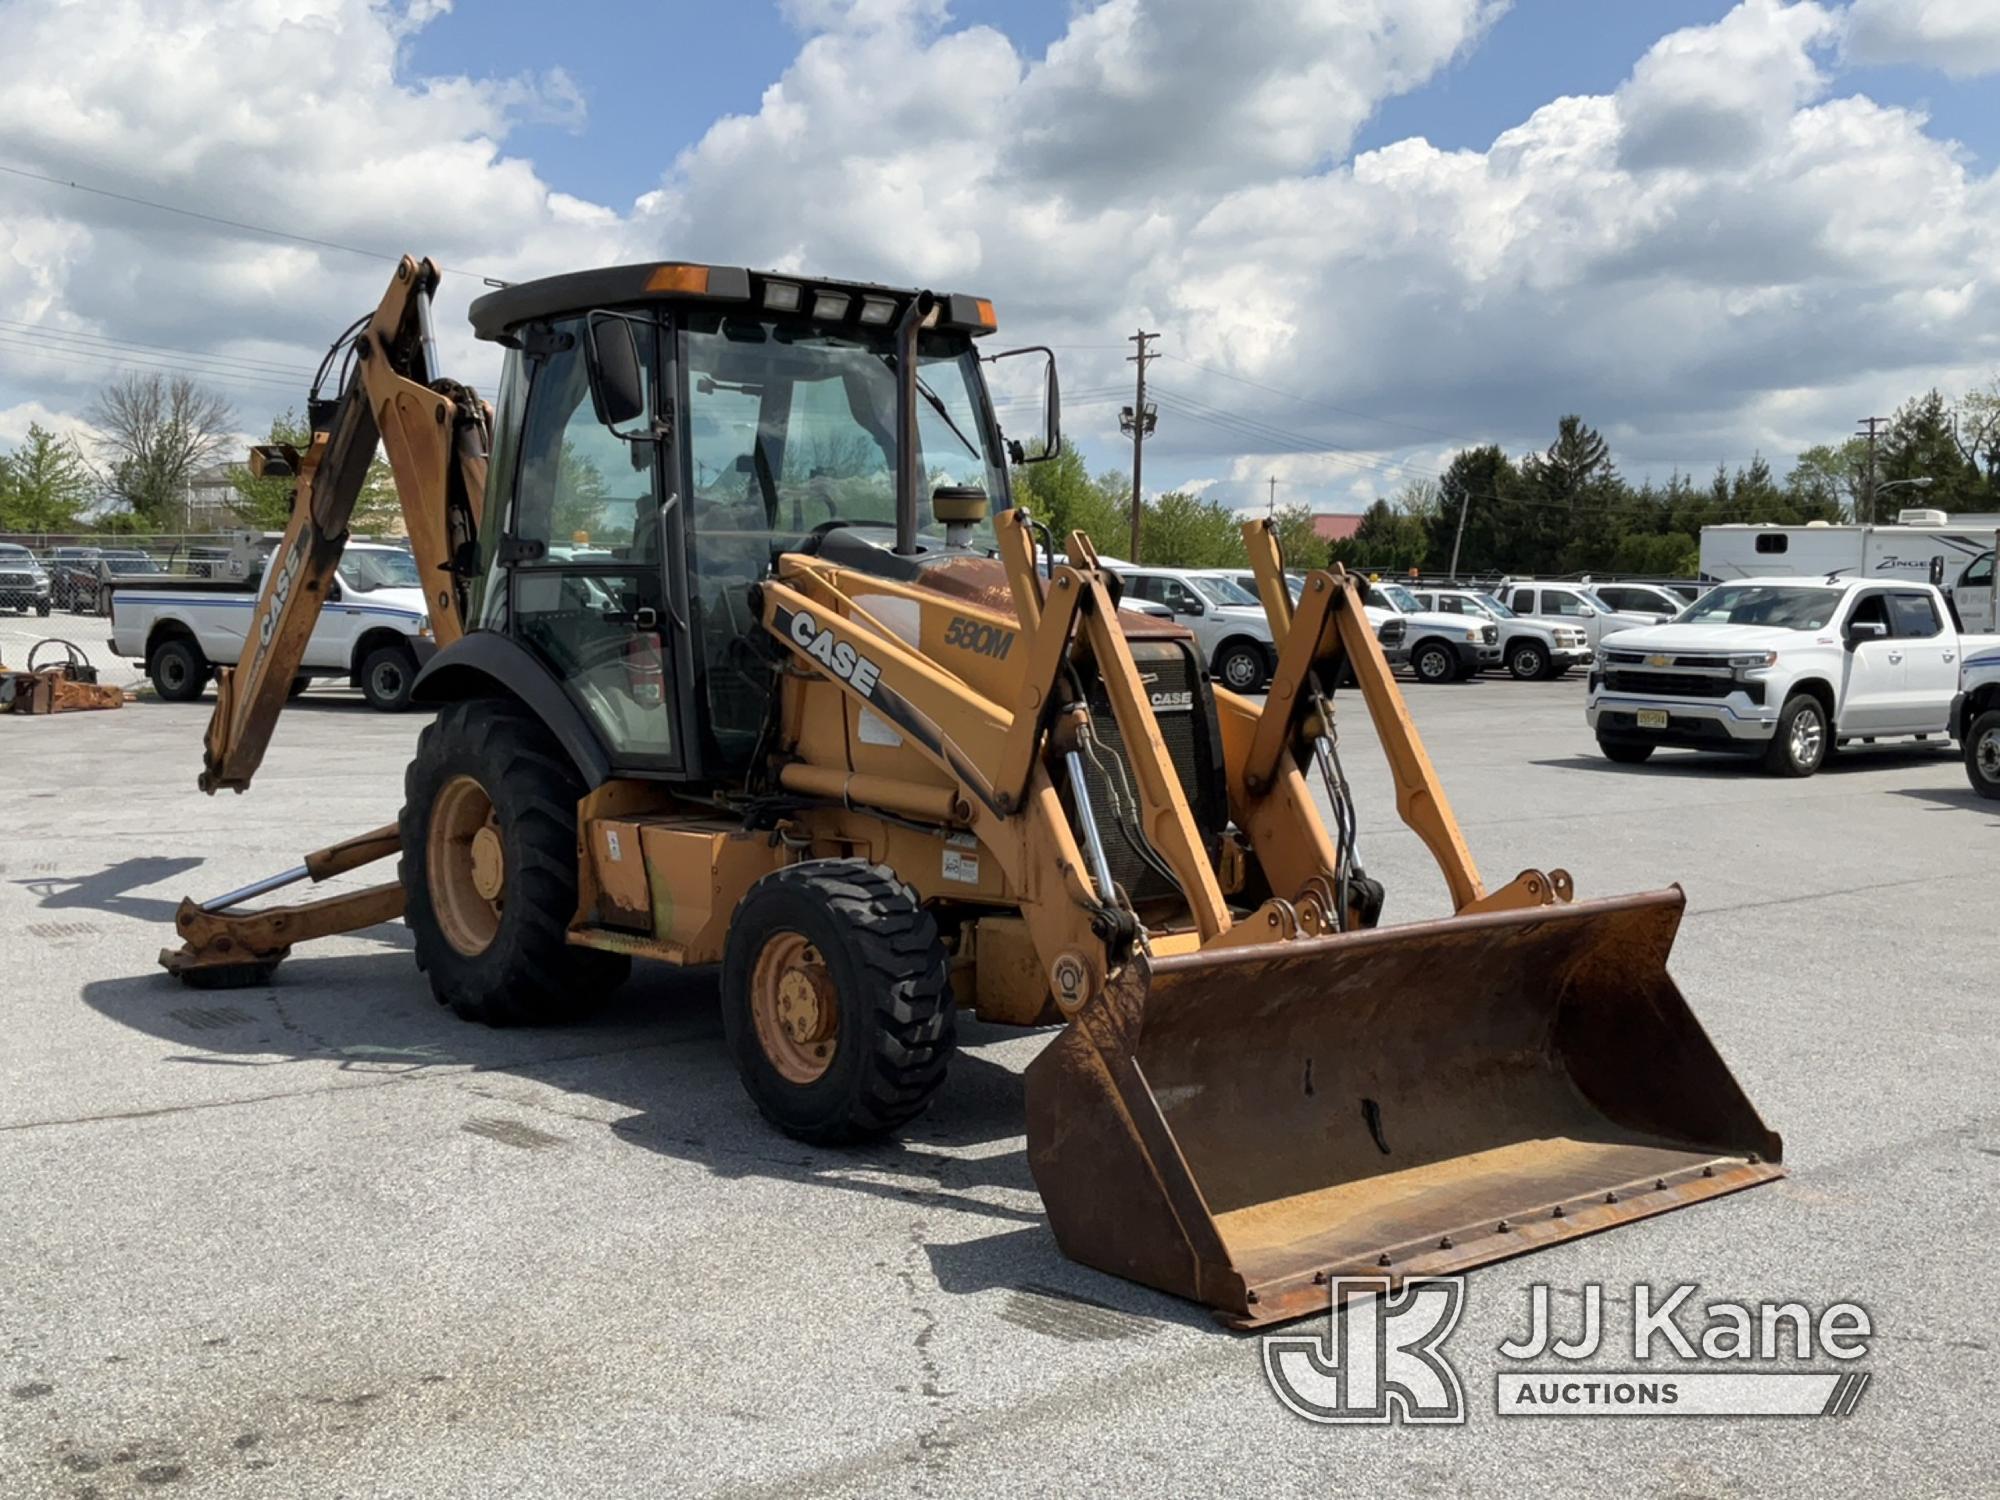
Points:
(1652, 718)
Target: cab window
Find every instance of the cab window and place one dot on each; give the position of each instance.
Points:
(1913, 617)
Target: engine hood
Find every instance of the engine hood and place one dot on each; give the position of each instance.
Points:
(1716, 638)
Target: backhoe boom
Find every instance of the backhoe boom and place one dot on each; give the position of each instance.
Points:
(435, 433)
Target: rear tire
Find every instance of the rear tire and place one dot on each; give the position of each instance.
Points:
(298, 687)
(1625, 752)
(1527, 661)
(1800, 746)
(489, 800)
(178, 670)
(388, 673)
(835, 1000)
(1434, 661)
(1982, 753)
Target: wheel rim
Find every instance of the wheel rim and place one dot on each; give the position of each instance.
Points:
(1432, 665)
(1808, 738)
(1527, 662)
(794, 1009)
(1987, 755)
(173, 672)
(387, 679)
(1240, 670)
(467, 866)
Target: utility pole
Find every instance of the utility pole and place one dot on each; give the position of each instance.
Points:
(1464, 505)
(1868, 480)
(1139, 420)
(1272, 510)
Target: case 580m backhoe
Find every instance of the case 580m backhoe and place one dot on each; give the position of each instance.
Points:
(746, 659)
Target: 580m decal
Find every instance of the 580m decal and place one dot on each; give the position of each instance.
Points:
(974, 635)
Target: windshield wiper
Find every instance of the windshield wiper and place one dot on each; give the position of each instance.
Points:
(938, 406)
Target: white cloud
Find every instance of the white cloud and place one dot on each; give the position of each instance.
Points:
(1721, 95)
(1722, 255)
(1960, 38)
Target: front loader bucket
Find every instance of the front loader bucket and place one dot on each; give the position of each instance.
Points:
(1239, 1125)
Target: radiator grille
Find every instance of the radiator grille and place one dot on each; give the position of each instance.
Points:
(1183, 710)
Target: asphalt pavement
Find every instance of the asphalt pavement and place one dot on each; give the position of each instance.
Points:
(323, 1239)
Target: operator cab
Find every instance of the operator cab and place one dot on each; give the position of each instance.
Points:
(664, 432)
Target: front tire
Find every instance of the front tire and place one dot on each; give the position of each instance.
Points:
(489, 870)
(178, 670)
(1625, 752)
(835, 1000)
(1528, 661)
(1243, 666)
(388, 675)
(41, 608)
(1982, 753)
(1800, 746)
(1434, 661)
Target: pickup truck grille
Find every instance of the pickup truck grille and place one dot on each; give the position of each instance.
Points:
(1678, 684)
(17, 580)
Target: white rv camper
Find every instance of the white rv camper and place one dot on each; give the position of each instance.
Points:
(1964, 544)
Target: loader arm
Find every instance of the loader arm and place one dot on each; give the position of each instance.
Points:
(436, 436)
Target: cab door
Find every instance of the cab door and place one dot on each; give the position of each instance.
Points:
(1930, 661)
(1973, 595)
(585, 551)
(1872, 697)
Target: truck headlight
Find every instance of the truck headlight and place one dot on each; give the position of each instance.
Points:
(1472, 636)
(424, 627)
(1750, 661)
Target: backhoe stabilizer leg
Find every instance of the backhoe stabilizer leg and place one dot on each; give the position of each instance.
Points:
(222, 948)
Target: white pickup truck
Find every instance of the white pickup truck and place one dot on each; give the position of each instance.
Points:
(1785, 669)
(1976, 717)
(373, 631)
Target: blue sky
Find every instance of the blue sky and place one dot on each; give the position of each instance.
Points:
(1738, 250)
(656, 76)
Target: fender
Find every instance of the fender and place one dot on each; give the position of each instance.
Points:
(486, 664)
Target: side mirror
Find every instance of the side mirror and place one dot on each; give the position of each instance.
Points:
(333, 592)
(1051, 408)
(617, 383)
(1865, 630)
(1191, 606)
(1587, 611)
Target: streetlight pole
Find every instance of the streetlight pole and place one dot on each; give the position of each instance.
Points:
(1922, 482)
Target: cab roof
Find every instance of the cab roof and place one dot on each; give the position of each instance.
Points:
(816, 298)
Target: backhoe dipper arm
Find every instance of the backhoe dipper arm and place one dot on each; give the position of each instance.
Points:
(436, 435)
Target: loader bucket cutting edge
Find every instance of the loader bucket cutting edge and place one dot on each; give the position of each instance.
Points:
(1239, 1125)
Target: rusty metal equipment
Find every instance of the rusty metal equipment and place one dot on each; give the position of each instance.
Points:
(762, 714)
(69, 685)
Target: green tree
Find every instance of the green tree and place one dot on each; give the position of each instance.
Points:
(45, 484)
(266, 503)
(1184, 531)
(1922, 444)
(1480, 484)
(1299, 539)
(155, 432)
(1825, 483)
(1063, 496)
(1388, 540)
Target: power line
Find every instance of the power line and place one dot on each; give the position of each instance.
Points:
(1314, 402)
(92, 341)
(107, 360)
(219, 219)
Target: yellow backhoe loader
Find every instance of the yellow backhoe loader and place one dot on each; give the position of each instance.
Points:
(746, 659)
